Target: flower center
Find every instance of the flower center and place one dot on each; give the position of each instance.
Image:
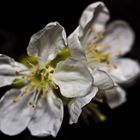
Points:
(95, 51)
(37, 83)
(40, 77)
(39, 80)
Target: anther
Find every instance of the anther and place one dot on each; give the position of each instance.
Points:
(15, 100)
(114, 66)
(17, 72)
(47, 66)
(99, 36)
(32, 104)
(52, 71)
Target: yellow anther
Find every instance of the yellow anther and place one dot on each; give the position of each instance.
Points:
(99, 100)
(95, 50)
(43, 85)
(99, 60)
(15, 100)
(103, 60)
(114, 66)
(52, 71)
(17, 72)
(26, 90)
(42, 76)
(29, 78)
(99, 36)
(91, 29)
(100, 45)
(47, 66)
(32, 104)
(33, 83)
(46, 92)
(102, 117)
(55, 86)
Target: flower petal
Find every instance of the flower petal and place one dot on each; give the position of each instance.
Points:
(127, 71)
(46, 43)
(102, 80)
(8, 69)
(14, 117)
(73, 78)
(48, 116)
(96, 15)
(75, 107)
(115, 96)
(6, 80)
(119, 38)
(75, 47)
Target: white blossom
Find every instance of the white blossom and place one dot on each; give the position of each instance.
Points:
(37, 104)
(100, 47)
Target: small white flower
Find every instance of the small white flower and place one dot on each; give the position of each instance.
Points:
(37, 104)
(101, 46)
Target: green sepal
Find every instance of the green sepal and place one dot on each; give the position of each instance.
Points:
(62, 55)
(28, 60)
(18, 83)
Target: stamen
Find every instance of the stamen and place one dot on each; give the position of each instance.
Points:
(98, 100)
(15, 100)
(95, 53)
(47, 66)
(26, 89)
(94, 108)
(28, 62)
(44, 93)
(32, 104)
(100, 45)
(52, 71)
(23, 91)
(35, 98)
(17, 73)
(114, 66)
(33, 83)
(54, 85)
(91, 29)
(99, 36)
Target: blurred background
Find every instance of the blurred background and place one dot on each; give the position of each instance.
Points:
(20, 20)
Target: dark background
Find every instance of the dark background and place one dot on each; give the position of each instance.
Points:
(19, 20)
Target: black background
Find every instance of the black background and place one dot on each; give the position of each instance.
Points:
(19, 20)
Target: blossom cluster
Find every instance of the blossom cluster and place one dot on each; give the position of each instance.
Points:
(68, 71)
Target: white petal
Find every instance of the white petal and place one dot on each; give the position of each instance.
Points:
(8, 69)
(14, 117)
(75, 107)
(115, 96)
(6, 80)
(102, 80)
(75, 47)
(73, 78)
(127, 70)
(48, 116)
(119, 37)
(95, 14)
(46, 43)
